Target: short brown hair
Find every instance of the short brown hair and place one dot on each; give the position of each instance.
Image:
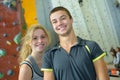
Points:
(60, 8)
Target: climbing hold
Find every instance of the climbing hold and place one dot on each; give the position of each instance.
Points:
(5, 35)
(24, 27)
(15, 23)
(2, 52)
(15, 67)
(8, 42)
(1, 75)
(18, 48)
(10, 3)
(13, 3)
(10, 72)
(6, 2)
(17, 38)
(14, 55)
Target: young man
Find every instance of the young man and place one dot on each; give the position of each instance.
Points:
(70, 59)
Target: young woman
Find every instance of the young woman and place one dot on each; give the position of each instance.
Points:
(33, 46)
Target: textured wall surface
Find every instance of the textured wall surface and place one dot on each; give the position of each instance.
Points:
(10, 30)
(29, 11)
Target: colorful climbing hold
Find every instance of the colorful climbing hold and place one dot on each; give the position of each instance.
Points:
(10, 72)
(18, 48)
(1, 75)
(2, 52)
(8, 42)
(17, 38)
(5, 35)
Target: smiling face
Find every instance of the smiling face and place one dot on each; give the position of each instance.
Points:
(39, 41)
(61, 22)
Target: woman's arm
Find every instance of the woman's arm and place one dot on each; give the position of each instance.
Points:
(101, 69)
(48, 75)
(25, 72)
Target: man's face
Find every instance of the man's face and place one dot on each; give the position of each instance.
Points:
(61, 22)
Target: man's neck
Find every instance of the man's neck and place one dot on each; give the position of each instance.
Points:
(70, 39)
(68, 42)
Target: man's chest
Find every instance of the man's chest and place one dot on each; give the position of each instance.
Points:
(63, 60)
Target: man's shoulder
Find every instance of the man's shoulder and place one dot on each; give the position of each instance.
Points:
(51, 49)
(91, 42)
(87, 42)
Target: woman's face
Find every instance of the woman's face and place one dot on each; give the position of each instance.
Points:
(39, 41)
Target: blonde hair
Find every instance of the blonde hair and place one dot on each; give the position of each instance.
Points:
(26, 50)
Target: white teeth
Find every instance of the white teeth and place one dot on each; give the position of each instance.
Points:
(40, 44)
(61, 28)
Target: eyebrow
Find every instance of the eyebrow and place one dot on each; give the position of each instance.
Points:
(63, 16)
(60, 17)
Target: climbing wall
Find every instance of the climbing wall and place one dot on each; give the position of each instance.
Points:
(10, 32)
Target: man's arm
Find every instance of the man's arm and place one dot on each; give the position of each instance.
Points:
(101, 69)
(48, 75)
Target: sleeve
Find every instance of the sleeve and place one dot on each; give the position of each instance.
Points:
(46, 62)
(96, 51)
